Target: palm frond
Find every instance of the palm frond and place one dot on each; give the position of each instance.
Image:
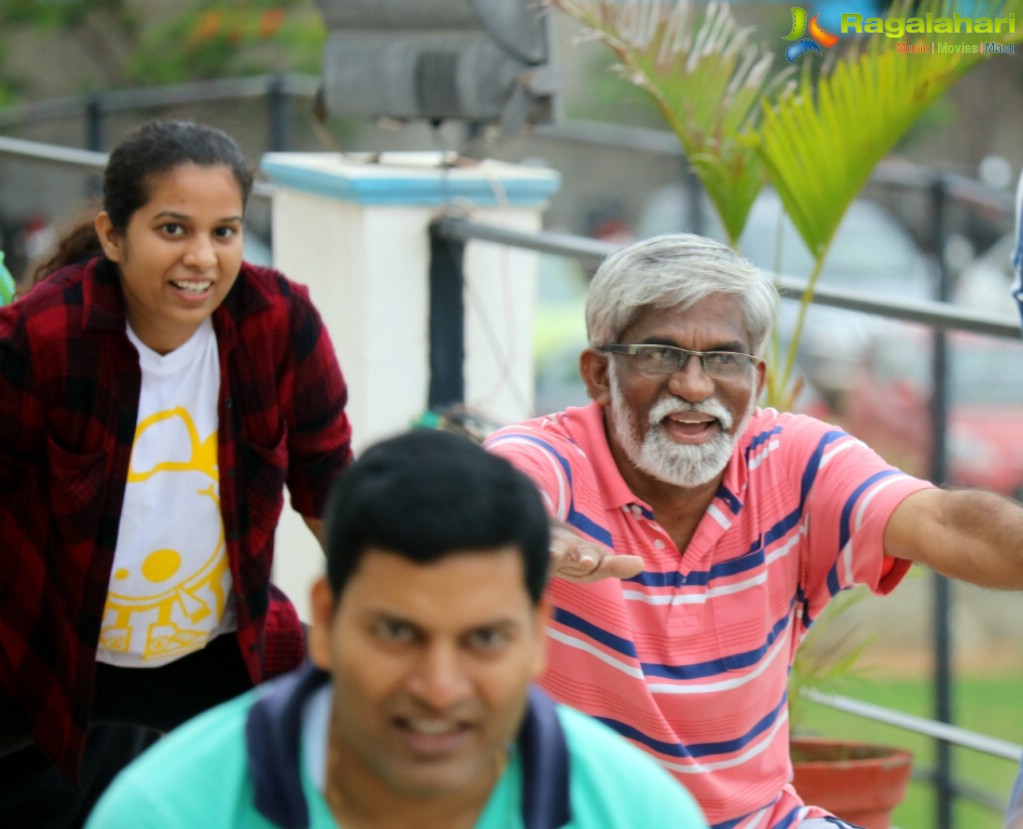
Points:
(821, 139)
(706, 77)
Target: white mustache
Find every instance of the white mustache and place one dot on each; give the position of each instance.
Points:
(670, 406)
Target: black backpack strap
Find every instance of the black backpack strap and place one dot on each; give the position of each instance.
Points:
(273, 742)
(545, 765)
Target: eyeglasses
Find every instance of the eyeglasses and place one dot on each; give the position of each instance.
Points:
(667, 359)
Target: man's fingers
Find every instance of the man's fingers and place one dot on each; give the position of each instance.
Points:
(576, 559)
(623, 567)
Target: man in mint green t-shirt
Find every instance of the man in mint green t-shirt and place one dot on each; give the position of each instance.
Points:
(417, 708)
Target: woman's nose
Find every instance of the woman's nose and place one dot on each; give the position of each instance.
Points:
(201, 254)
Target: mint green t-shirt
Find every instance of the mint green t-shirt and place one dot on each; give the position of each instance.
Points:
(199, 776)
(613, 784)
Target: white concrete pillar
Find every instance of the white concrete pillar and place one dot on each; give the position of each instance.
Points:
(355, 231)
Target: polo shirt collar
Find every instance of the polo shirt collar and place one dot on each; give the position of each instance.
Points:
(273, 740)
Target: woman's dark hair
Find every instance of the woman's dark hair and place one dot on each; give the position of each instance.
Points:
(155, 148)
(426, 494)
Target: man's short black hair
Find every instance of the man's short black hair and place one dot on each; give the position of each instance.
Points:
(426, 494)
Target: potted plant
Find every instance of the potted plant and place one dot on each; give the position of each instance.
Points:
(859, 781)
(815, 136)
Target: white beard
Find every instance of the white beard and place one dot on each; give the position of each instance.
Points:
(657, 455)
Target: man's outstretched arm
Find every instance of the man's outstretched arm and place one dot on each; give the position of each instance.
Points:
(965, 534)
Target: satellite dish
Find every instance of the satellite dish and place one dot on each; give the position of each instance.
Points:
(479, 61)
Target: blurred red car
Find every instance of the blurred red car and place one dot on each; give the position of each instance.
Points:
(887, 406)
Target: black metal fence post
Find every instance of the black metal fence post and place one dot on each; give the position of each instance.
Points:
(447, 321)
(278, 109)
(943, 678)
(95, 138)
(95, 123)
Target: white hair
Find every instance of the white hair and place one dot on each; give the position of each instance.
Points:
(676, 270)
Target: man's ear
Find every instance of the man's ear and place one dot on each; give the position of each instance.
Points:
(321, 605)
(109, 239)
(594, 370)
(761, 378)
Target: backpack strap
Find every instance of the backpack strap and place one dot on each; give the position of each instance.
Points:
(545, 765)
(273, 742)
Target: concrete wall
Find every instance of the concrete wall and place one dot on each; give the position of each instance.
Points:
(355, 230)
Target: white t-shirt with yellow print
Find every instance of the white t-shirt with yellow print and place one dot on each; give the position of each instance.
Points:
(170, 582)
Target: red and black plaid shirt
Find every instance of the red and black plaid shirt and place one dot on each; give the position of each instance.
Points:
(69, 390)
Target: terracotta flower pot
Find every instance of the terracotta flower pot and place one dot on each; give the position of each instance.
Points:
(860, 782)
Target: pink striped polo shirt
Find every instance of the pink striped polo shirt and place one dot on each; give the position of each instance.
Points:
(690, 659)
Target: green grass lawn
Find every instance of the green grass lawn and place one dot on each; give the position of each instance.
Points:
(990, 704)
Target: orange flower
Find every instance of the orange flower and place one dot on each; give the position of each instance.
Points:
(270, 21)
(208, 25)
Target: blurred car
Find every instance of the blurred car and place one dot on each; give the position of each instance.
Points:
(986, 283)
(871, 254)
(887, 406)
(559, 334)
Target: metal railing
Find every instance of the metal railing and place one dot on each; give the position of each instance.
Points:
(942, 732)
(276, 89)
(939, 315)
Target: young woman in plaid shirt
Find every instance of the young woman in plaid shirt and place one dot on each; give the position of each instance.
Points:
(157, 394)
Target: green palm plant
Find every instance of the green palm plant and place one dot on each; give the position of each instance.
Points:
(816, 139)
(821, 139)
(707, 79)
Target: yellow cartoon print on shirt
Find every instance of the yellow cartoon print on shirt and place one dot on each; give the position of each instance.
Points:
(168, 603)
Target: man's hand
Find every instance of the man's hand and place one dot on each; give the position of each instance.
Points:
(576, 559)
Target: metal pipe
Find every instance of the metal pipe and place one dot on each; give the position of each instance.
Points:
(117, 100)
(920, 725)
(82, 159)
(52, 153)
(591, 252)
(942, 680)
